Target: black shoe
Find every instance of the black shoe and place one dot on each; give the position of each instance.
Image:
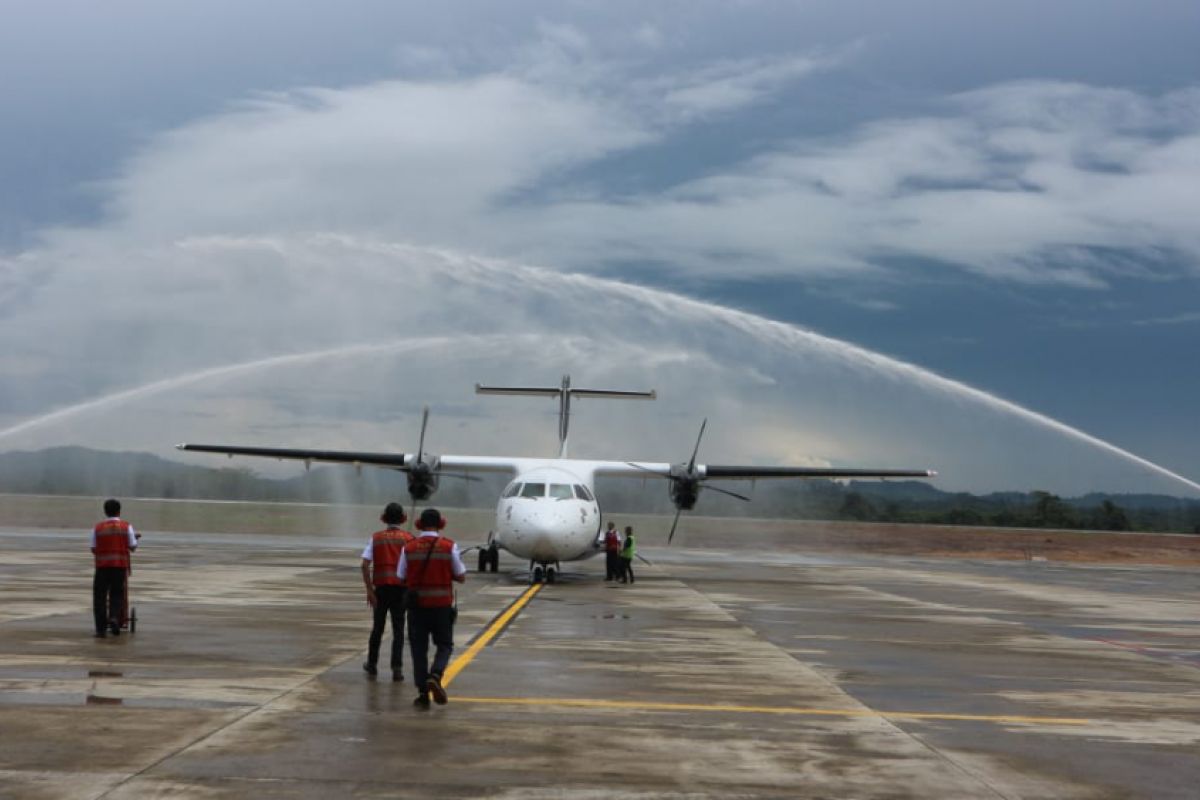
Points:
(397, 676)
(434, 687)
(370, 669)
(422, 702)
(116, 630)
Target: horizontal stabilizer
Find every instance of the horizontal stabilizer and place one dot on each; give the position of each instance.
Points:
(525, 391)
(556, 391)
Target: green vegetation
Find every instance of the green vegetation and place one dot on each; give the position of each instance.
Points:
(79, 471)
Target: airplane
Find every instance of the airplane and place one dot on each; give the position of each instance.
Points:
(548, 513)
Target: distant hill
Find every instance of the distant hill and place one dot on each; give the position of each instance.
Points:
(79, 470)
(1160, 502)
(82, 471)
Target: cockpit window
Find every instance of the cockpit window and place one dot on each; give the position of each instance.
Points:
(513, 489)
(533, 490)
(561, 491)
(582, 493)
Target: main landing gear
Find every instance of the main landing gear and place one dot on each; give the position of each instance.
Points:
(543, 572)
(489, 558)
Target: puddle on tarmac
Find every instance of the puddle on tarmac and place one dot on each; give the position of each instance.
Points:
(103, 673)
(97, 700)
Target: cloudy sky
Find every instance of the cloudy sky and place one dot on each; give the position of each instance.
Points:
(933, 233)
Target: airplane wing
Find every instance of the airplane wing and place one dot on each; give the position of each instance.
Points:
(726, 472)
(398, 461)
(755, 473)
(390, 460)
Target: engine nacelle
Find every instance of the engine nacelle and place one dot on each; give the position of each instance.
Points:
(422, 480)
(684, 487)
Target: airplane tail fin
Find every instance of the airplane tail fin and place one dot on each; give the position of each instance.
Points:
(564, 394)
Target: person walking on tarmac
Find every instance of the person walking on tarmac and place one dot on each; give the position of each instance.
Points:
(112, 542)
(385, 591)
(628, 551)
(612, 552)
(429, 567)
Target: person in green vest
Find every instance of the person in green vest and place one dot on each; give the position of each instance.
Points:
(628, 550)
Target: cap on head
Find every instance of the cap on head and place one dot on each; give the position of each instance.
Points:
(112, 507)
(393, 514)
(431, 520)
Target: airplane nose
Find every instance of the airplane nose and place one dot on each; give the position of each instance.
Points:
(541, 533)
(543, 541)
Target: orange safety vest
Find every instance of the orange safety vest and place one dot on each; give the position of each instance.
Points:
(385, 555)
(429, 571)
(112, 544)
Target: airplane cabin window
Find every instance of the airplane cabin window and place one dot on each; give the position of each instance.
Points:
(582, 493)
(561, 491)
(533, 490)
(512, 490)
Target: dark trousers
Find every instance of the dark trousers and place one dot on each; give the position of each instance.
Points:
(108, 597)
(612, 565)
(626, 569)
(424, 624)
(389, 600)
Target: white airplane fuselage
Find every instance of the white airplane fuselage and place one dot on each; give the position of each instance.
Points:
(548, 513)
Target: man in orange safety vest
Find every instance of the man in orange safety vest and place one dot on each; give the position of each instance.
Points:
(385, 590)
(113, 540)
(429, 567)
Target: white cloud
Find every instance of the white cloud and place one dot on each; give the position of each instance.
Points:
(1175, 319)
(1028, 182)
(728, 86)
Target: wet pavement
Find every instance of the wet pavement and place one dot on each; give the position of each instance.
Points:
(736, 673)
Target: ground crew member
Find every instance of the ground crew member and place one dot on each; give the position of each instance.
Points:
(628, 550)
(612, 553)
(385, 590)
(429, 566)
(112, 542)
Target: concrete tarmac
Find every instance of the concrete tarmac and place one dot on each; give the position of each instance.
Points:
(719, 673)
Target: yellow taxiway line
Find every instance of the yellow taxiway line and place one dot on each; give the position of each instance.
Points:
(460, 663)
(636, 705)
(490, 633)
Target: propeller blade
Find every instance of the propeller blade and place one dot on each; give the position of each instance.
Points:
(726, 491)
(644, 469)
(696, 450)
(674, 523)
(421, 441)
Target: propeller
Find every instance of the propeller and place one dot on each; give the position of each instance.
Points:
(423, 473)
(686, 483)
